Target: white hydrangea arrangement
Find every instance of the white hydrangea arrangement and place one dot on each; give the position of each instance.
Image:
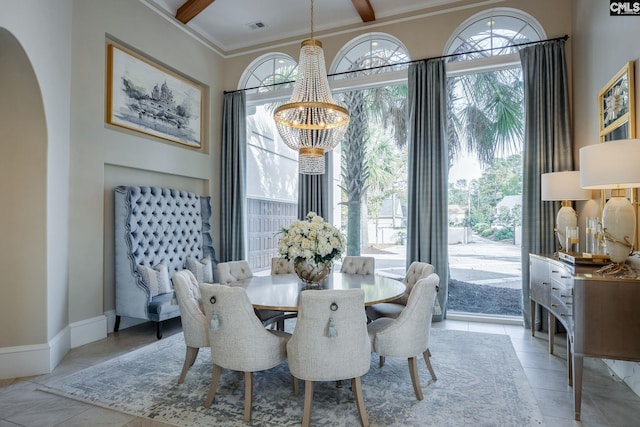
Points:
(311, 239)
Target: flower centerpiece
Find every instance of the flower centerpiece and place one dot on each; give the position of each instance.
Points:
(312, 244)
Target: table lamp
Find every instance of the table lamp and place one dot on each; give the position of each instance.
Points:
(614, 166)
(564, 187)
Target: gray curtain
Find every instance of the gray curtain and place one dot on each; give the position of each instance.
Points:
(547, 148)
(427, 223)
(233, 178)
(313, 192)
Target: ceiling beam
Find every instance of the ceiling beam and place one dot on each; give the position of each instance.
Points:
(365, 10)
(190, 9)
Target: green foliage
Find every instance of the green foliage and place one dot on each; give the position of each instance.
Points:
(505, 233)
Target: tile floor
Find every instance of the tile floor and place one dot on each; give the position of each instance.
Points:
(606, 400)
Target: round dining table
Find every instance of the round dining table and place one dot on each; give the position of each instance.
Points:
(281, 291)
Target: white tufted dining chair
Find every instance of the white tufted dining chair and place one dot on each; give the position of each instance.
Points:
(234, 271)
(330, 343)
(238, 340)
(417, 270)
(358, 265)
(281, 266)
(194, 322)
(408, 335)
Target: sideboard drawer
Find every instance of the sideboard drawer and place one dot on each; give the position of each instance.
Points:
(539, 281)
(561, 295)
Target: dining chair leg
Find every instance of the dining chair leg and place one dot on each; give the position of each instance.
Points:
(248, 395)
(413, 370)
(215, 377)
(308, 398)
(382, 361)
(427, 359)
(294, 382)
(190, 357)
(356, 386)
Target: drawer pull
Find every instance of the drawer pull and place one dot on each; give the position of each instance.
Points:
(554, 305)
(565, 315)
(568, 302)
(554, 288)
(555, 271)
(544, 283)
(565, 277)
(566, 296)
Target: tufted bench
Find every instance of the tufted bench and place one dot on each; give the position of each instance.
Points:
(156, 226)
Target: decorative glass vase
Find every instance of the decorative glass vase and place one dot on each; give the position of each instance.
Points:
(312, 273)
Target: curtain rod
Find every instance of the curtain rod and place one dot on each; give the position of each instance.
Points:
(565, 37)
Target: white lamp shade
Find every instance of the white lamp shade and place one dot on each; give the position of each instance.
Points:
(614, 164)
(558, 186)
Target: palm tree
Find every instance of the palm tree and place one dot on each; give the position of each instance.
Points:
(379, 108)
(486, 114)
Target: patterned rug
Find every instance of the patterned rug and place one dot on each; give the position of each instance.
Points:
(480, 383)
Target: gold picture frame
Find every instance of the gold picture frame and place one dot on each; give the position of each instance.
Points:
(145, 97)
(616, 106)
(616, 109)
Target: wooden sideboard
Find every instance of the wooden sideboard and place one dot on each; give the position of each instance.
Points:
(601, 314)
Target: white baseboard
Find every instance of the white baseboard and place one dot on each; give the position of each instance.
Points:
(35, 359)
(88, 330)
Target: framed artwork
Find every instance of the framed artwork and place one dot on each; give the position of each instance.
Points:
(147, 98)
(616, 105)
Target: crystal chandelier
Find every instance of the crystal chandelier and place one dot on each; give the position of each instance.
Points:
(311, 122)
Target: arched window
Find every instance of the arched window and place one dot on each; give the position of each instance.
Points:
(493, 33)
(272, 167)
(485, 130)
(266, 72)
(368, 52)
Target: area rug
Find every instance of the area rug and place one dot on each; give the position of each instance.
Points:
(480, 383)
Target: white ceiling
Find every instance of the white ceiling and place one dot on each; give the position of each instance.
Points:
(227, 23)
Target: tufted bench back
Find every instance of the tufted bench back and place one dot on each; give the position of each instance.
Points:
(165, 224)
(154, 224)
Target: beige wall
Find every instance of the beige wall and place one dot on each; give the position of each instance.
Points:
(602, 45)
(23, 160)
(35, 145)
(103, 156)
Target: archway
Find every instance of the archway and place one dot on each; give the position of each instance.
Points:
(23, 191)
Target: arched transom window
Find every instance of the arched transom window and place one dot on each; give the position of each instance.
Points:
(268, 72)
(368, 52)
(493, 33)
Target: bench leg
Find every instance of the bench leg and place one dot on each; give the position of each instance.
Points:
(159, 330)
(116, 327)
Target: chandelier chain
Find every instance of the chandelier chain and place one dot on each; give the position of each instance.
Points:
(311, 20)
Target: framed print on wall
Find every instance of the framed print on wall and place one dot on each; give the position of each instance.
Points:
(147, 98)
(616, 105)
(616, 109)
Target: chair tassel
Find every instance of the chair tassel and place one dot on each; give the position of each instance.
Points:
(332, 332)
(174, 299)
(215, 322)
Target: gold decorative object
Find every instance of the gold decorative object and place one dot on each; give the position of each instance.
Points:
(311, 122)
(312, 273)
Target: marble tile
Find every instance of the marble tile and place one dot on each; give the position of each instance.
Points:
(98, 417)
